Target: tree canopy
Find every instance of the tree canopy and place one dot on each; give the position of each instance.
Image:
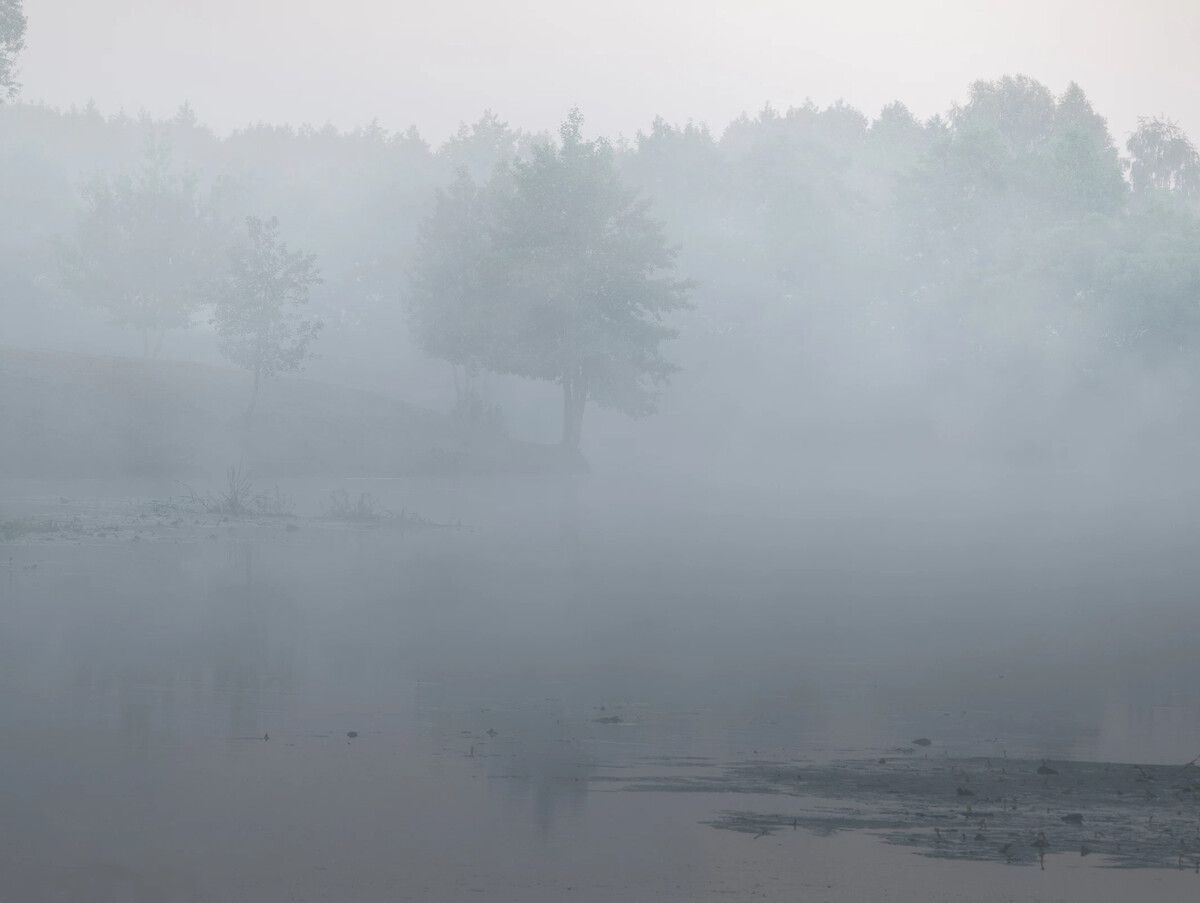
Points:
(255, 306)
(12, 42)
(1009, 241)
(1164, 160)
(555, 272)
(144, 247)
(453, 299)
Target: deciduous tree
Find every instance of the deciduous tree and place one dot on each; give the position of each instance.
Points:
(12, 42)
(588, 280)
(455, 286)
(1164, 159)
(145, 247)
(255, 313)
(556, 271)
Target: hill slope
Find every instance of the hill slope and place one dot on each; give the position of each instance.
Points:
(85, 416)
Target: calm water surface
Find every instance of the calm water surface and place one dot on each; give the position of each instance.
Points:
(479, 669)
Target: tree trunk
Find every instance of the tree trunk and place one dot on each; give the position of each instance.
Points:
(253, 394)
(147, 353)
(469, 401)
(575, 391)
(566, 429)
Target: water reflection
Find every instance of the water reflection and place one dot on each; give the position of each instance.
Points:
(499, 678)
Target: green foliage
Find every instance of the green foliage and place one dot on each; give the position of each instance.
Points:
(1164, 162)
(1006, 220)
(145, 246)
(585, 273)
(12, 42)
(1149, 283)
(453, 301)
(1020, 110)
(556, 272)
(255, 306)
(1084, 174)
(1012, 233)
(479, 148)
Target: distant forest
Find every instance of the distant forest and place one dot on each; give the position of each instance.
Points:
(1010, 253)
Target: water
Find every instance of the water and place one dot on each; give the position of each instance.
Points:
(481, 669)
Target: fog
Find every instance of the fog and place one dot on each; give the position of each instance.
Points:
(624, 62)
(738, 466)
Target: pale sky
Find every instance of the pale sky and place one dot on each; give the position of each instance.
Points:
(436, 63)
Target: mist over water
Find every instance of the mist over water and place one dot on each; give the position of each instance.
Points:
(714, 512)
(476, 666)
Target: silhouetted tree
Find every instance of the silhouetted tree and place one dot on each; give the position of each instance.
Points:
(258, 326)
(555, 271)
(586, 279)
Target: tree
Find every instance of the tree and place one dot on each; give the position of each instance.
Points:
(1164, 159)
(258, 327)
(1148, 285)
(585, 275)
(453, 299)
(144, 247)
(1019, 108)
(553, 271)
(12, 42)
(482, 146)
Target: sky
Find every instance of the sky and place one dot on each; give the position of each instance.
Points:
(434, 65)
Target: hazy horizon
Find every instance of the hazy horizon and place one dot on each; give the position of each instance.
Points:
(347, 64)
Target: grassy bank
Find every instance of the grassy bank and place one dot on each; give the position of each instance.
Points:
(86, 416)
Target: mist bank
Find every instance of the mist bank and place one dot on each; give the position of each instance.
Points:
(1007, 282)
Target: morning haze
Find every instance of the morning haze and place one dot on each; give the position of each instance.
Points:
(657, 451)
(434, 65)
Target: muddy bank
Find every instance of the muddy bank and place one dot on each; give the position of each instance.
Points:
(1008, 810)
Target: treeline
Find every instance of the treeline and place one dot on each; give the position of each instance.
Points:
(1011, 244)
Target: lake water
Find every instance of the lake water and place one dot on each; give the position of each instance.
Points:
(502, 676)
